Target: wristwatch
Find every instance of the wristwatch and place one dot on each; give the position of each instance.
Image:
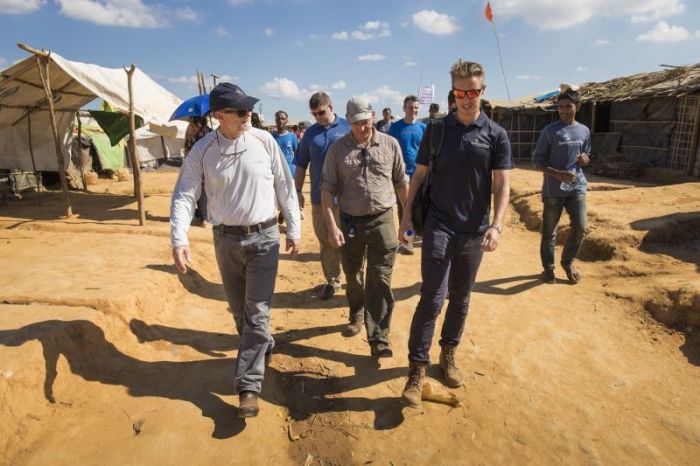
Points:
(496, 227)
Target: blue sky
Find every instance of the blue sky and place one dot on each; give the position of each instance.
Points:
(281, 51)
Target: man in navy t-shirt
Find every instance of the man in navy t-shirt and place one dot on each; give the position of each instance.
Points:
(328, 128)
(473, 162)
(560, 153)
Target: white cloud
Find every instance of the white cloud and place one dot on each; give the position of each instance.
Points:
(239, 2)
(436, 23)
(339, 85)
(124, 13)
(188, 14)
(527, 77)
(3, 60)
(663, 33)
(581, 68)
(368, 31)
(221, 32)
(601, 42)
(283, 88)
(20, 7)
(314, 36)
(384, 96)
(190, 82)
(361, 35)
(410, 63)
(548, 14)
(673, 8)
(299, 43)
(371, 57)
(269, 32)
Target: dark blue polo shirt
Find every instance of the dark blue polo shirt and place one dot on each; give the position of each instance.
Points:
(460, 190)
(313, 147)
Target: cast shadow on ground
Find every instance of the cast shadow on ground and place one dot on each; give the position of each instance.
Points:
(691, 348)
(493, 286)
(88, 207)
(91, 356)
(677, 235)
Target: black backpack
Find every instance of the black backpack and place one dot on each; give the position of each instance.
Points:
(421, 202)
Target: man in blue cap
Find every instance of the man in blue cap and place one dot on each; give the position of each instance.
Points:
(246, 179)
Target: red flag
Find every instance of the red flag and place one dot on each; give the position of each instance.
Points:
(488, 13)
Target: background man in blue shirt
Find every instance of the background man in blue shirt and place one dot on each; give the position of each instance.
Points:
(287, 140)
(560, 153)
(328, 128)
(409, 132)
(474, 161)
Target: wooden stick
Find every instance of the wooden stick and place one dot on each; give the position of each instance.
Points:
(138, 191)
(37, 176)
(80, 152)
(42, 62)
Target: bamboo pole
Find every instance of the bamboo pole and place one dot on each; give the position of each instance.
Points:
(138, 191)
(37, 176)
(80, 151)
(43, 60)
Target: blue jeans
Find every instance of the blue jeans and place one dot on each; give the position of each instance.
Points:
(248, 266)
(449, 264)
(575, 206)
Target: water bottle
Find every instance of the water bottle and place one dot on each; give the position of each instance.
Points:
(565, 186)
(409, 236)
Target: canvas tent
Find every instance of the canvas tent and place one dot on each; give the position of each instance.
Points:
(24, 109)
(649, 118)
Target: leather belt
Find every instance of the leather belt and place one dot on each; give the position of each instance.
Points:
(363, 218)
(245, 230)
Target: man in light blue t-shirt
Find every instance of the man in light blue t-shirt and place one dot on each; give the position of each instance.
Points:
(409, 132)
(287, 140)
(560, 154)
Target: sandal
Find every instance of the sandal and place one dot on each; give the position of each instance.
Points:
(572, 274)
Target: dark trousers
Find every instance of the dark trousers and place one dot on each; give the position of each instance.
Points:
(370, 299)
(553, 206)
(449, 264)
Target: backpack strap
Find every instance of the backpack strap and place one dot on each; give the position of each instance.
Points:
(437, 134)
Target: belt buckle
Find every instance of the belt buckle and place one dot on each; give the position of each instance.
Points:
(247, 230)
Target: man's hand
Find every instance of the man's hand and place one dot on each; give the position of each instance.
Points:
(300, 197)
(490, 241)
(182, 257)
(293, 246)
(335, 237)
(406, 224)
(583, 159)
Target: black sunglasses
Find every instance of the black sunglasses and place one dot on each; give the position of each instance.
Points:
(363, 153)
(240, 113)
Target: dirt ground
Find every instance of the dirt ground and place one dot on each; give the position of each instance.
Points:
(107, 356)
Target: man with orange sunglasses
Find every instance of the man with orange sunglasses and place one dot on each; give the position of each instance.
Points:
(472, 162)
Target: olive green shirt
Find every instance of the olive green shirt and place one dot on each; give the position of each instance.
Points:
(364, 180)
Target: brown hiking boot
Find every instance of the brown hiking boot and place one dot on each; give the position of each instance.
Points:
(248, 404)
(413, 391)
(452, 377)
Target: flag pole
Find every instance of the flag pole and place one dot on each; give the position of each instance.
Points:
(489, 16)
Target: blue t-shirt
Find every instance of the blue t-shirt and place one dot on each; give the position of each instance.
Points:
(409, 137)
(313, 147)
(288, 142)
(559, 147)
(460, 190)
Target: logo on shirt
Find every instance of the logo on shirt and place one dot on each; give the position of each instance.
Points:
(482, 145)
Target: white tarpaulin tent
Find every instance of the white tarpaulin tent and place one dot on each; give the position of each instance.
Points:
(74, 84)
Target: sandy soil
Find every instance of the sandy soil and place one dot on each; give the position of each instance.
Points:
(107, 356)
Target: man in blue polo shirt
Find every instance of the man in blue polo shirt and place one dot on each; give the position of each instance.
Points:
(560, 153)
(474, 161)
(312, 149)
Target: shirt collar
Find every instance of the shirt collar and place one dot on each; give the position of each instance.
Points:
(451, 120)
